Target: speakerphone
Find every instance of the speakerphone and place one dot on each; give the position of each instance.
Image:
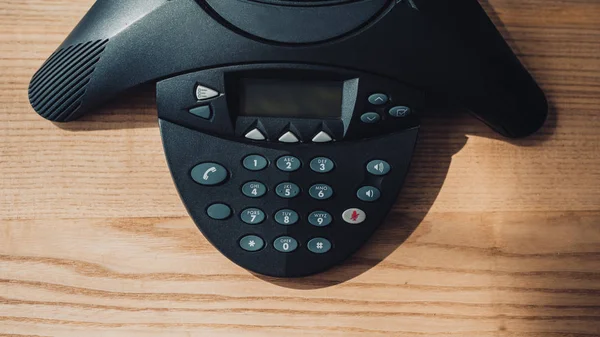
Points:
(289, 126)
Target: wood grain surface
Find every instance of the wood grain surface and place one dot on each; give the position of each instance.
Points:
(489, 238)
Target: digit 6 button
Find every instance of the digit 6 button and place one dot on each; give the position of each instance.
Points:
(321, 191)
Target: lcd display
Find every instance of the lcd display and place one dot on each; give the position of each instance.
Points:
(291, 99)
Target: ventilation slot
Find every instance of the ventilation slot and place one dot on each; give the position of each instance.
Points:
(57, 89)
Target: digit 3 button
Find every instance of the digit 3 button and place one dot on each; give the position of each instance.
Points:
(209, 174)
(354, 216)
(254, 189)
(322, 165)
(285, 244)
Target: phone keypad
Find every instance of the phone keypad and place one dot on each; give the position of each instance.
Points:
(318, 191)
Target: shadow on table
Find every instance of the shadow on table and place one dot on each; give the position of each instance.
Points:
(443, 134)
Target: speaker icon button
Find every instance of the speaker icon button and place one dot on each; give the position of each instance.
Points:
(368, 193)
(378, 167)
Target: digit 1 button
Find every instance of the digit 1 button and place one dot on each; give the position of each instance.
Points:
(218, 211)
(252, 243)
(254, 189)
(378, 167)
(322, 165)
(209, 174)
(368, 193)
(288, 164)
(319, 245)
(287, 190)
(285, 244)
(354, 216)
(286, 217)
(252, 216)
(255, 162)
(321, 192)
(320, 218)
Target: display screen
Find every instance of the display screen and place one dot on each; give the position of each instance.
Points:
(291, 99)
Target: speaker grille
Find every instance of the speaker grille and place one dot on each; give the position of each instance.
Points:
(57, 89)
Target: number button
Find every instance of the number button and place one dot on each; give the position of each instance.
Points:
(319, 245)
(321, 191)
(252, 243)
(322, 165)
(286, 217)
(288, 164)
(252, 216)
(255, 162)
(285, 244)
(320, 218)
(368, 193)
(254, 189)
(287, 190)
(209, 174)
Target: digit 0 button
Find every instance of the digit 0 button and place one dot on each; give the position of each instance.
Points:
(322, 165)
(321, 191)
(209, 174)
(254, 189)
(255, 162)
(252, 243)
(286, 217)
(287, 190)
(252, 216)
(288, 164)
(285, 244)
(319, 245)
(320, 218)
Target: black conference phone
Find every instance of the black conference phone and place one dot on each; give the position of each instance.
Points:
(289, 126)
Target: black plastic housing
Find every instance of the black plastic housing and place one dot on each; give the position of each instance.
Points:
(441, 46)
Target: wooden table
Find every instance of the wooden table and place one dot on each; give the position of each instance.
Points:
(490, 237)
